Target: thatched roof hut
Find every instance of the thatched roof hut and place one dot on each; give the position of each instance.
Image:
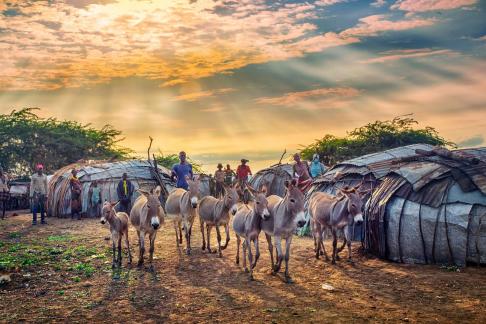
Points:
(426, 205)
(274, 178)
(107, 174)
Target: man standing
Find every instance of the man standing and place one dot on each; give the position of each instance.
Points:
(229, 175)
(219, 177)
(242, 173)
(301, 172)
(316, 168)
(76, 190)
(95, 199)
(182, 170)
(38, 194)
(4, 191)
(124, 191)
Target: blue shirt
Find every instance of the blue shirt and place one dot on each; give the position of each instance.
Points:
(181, 171)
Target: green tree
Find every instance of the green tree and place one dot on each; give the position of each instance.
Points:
(27, 139)
(373, 137)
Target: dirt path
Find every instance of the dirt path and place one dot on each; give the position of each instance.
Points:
(63, 270)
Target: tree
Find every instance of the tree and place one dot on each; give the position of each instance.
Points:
(27, 139)
(373, 137)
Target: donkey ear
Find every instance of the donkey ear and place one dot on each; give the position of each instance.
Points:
(113, 204)
(264, 190)
(143, 192)
(157, 191)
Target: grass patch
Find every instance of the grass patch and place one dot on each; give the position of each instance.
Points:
(13, 235)
(84, 268)
(59, 238)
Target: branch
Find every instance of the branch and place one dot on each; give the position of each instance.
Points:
(148, 150)
(284, 152)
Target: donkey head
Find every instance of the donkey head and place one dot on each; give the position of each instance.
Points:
(295, 202)
(193, 191)
(261, 204)
(355, 204)
(231, 198)
(153, 206)
(107, 211)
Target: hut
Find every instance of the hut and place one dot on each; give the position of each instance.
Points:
(274, 178)
(107, 174)
(426, 204)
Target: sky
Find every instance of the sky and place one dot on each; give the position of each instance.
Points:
(225, 80)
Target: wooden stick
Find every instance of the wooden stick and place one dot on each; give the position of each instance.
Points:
(150, 146)
(280, 161)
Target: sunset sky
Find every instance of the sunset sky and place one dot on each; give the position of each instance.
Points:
(224, 80)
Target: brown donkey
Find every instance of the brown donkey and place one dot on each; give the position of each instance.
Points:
(247, 224)
(118, 228)
(215, 212)
(181, 207)
(147, 216)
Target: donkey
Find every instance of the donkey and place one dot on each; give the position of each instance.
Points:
(247, 224)
(215, 212)
(286, 214)
(337, 213)
(118, 228)
(181, 206)
(147, 216)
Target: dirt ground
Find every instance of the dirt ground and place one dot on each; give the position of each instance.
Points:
(62, 271)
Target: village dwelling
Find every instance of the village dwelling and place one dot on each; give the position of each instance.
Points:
(273, 178)
(426, 204)
(107, 174)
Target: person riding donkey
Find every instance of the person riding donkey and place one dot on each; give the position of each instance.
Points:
(124, 191)
(38, 194)
(4, 191)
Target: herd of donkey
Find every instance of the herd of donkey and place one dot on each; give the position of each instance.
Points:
(277, 217)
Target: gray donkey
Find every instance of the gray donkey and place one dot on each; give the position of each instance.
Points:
(286, 214)
(247, 223)
(181, 207)
(215, 212)
(337, 213)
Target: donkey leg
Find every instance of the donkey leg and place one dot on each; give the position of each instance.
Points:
(202, 234)
(218, 236)
(238, 241)
(317, 243)
(323, 248)
(244, 256)
(119, 250)
(257, 253)
(270, 249)
(141, 241)
(128, 247)
(152, 247)
(208, 230)
(180, 231)
(250, 257)
(113, 263)
(226, 229)
(334, 246)
(288, 241)
(278, 245)
(347, 234)
(177, 233)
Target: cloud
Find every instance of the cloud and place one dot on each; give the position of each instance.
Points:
(472, 141)
(430, 5)
(195, 96)
(378, 3)
(324, 3)
(410, 53)
(375, 24)
(297, 98)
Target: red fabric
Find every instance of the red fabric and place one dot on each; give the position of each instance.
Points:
(243, 171)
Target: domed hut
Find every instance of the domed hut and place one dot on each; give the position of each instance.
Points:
(107, 174)
(274, 178)
(430, 209)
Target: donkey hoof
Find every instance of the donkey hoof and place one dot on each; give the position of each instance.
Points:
(333, 261)
(237, 261)
(338, 257)
(317, 256)
(203, 247)
(140, 263)
(113, 265)
(188, 251)
(220, 255)
(251, 278)
(246, 270)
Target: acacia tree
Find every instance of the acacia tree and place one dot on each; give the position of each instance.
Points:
(373, 137)
(27, 139)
